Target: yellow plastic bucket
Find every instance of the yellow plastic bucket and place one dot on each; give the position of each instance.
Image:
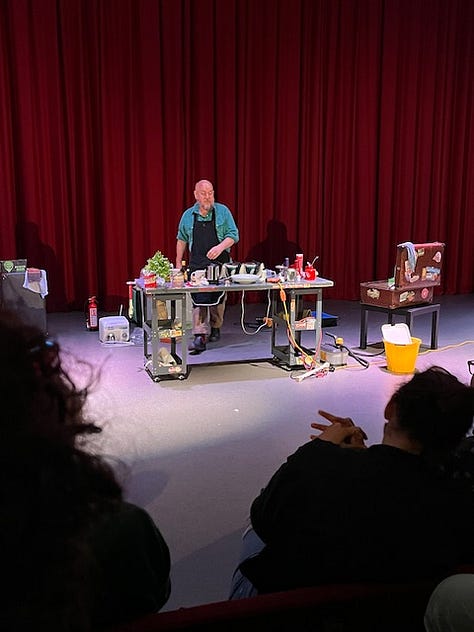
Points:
(402, 358)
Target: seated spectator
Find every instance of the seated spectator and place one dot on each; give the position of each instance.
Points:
(339, 512)
(451, 606)
(75, 556)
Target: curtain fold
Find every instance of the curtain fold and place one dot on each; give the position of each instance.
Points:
(336, 129)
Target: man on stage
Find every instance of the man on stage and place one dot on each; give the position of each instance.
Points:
(209, 230)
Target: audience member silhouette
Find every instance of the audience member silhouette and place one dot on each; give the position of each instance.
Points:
(75, 556)
(451, 606)
(389, 512)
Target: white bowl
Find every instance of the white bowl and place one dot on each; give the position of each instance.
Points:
(244, 279)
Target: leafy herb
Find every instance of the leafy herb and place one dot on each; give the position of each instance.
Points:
(160, 265)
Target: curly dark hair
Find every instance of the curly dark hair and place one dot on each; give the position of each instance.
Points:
(436, 409)
(52, 489)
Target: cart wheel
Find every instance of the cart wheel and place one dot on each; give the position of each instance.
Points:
(182, 377)
(156, 379)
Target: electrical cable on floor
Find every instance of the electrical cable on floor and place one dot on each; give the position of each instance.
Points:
(339, 344)
(319, 371)
(425, 352)
(371, 355)
(445, 348)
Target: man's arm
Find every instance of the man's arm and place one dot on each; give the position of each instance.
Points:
(225, 224)
(216, 250)
(180, 249)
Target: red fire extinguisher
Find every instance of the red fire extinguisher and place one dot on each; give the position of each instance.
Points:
(92, 321)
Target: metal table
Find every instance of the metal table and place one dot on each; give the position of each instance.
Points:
(167, 321)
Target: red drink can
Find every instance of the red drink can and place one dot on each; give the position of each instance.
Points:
(150, 280)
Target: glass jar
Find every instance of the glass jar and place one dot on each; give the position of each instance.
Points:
(177, 278)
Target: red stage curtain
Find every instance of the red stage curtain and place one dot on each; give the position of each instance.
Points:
(332, 128)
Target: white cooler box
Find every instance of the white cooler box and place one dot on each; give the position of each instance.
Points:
(114, 329)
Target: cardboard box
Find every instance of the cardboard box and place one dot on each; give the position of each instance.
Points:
(306, 324)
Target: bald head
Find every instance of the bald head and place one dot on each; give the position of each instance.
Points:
(203, 183)
(204, 194)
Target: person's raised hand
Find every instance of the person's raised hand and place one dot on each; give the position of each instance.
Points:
(344, 421)
(341, 431)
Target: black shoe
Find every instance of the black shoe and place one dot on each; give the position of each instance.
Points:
(215, 334)
(199, 344)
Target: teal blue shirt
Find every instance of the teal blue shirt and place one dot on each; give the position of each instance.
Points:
(225, 224)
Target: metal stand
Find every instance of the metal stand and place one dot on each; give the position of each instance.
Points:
(164, 323)
(408, 313)
(287, 355)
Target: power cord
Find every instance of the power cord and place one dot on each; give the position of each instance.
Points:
(267, 321)
(317, 371)
(339, 344)
(447, 347)
(309, 362)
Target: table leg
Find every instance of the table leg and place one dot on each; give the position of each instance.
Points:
(364, 318)
(434, 329)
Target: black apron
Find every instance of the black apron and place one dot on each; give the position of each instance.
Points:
(204, 238)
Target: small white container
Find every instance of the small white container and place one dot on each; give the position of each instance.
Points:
(114, 329)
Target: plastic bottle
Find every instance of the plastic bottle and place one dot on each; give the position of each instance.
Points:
(137, 336)
(184, 270)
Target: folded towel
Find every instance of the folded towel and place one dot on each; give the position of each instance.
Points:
(411, 252)
(36, 281)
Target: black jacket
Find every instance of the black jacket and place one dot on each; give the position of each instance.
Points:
(332, 514)
(132, 566)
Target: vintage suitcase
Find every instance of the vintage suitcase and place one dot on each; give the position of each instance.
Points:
(418, 264)
(383, 294)
(417, 271)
